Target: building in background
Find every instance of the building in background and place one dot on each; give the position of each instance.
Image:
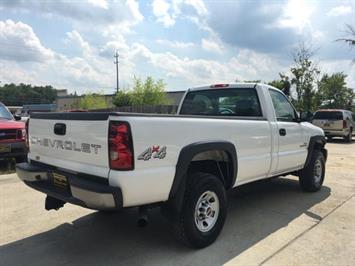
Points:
(41, 107)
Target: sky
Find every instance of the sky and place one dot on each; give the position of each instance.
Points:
(71, 44)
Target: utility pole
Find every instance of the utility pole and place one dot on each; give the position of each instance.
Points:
(116, 63)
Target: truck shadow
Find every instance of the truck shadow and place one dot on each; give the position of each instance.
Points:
(255, 211)
(341, 141)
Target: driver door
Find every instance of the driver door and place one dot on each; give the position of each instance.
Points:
(292, 148)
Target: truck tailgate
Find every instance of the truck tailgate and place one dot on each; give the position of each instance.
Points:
(73, 144)
(327, 124)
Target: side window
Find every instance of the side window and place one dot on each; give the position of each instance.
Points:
(283, 109)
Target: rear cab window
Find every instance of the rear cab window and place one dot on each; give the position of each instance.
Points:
(335, 115)
(222, 102)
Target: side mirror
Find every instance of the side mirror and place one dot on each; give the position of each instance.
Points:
(17, 117)
(305, 117)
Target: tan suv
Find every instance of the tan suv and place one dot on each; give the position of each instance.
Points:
(335, 123)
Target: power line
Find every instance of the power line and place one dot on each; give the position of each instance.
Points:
(116, 63)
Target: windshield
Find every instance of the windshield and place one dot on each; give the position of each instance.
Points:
(329, 115)
(222, 102)
(4, 113)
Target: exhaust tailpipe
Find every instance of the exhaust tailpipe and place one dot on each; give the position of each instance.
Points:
(142, 216)
(53, 203)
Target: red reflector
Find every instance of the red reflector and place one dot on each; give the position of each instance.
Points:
(219, 86)
(120, 146)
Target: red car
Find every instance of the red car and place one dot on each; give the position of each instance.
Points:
(12, 136)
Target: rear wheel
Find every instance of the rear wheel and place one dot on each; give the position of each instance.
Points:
(348, 138)
(203, 212)
(312, 176)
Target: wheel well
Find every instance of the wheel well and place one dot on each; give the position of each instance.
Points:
(216, 163)
(320, 147)
(216, 157)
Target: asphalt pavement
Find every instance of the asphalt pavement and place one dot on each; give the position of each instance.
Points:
(269, 222)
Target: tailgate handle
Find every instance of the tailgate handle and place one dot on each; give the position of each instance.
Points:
(60, 129)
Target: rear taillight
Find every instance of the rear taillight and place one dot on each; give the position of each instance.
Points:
(26, 132)
(120, 146)
(220, 86)
(344, 124)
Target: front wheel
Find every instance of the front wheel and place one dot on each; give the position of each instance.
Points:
(203, 212)
(312, 176)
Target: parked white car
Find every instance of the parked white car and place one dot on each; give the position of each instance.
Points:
(223, 136)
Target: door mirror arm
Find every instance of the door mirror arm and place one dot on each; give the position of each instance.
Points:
(17, 117)
(304, 117)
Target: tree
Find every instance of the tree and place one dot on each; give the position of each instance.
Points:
(149, 92)
(123, 98)
(304, 75)
(93, 101)
(282, 84)
(333, 92)
(12, 94)
(350, 39)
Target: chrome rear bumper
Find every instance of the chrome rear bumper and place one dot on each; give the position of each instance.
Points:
(89, 192)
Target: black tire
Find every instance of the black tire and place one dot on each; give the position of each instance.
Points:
(184, 225)
(348, 138)
(21, 159)
(310, 180)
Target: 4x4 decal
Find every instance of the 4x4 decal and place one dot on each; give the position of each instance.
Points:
(155, 151)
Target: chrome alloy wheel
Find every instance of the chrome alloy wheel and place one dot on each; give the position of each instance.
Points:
(206, 211)
(317, 171)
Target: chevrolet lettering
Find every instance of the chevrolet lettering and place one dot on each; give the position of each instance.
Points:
(66, 145)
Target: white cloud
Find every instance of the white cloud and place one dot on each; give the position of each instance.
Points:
(198, 5)
(161, 11)
(168, 12)
(100, 13)
(339, 11)
(75, 38)
(24, 59)
(99, 3)
(93, 69)
(111, 47)
(247, 65)
(18, 42)
(210, 45)
(176, 44)
(297, 14)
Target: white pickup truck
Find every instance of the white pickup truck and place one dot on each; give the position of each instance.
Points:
(223, 136)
